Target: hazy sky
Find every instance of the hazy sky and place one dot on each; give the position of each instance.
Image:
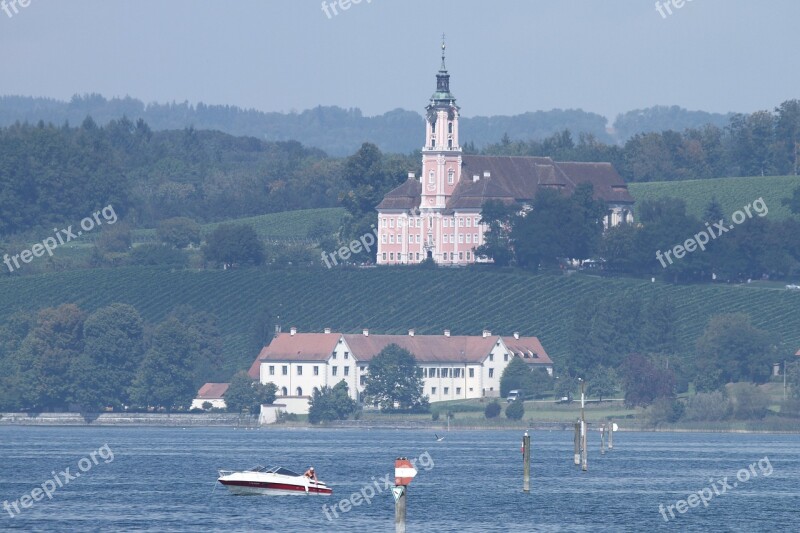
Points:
(505, 56)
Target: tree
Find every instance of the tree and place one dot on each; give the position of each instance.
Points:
(44, 363)
(395, 381)
(516, 376)
(179, 232)
(329, 404)
(793, 378)
(231, 244)
(601, 383)
(246, 393)
(164, 378)
(492, 409)
(794, 202)
(113, 349)
(515, 410)
(644, 382)
(737, 350)
(498, 215)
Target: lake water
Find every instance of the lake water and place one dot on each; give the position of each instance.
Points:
(164, 480)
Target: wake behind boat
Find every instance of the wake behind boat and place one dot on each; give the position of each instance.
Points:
(271, 480)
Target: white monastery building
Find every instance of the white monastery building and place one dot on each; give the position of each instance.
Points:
(453, 366)
(438, 215)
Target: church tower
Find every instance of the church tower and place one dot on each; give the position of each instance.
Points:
(441, 155)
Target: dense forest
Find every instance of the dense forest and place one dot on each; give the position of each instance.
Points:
(341, 131)
(52, 175)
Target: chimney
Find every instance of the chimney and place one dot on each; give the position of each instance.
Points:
(412, 176)
(293, 331)
(411, 333)
(327, 330)
(447, 333)
(475, 178)
(365, 332)
(487, 174)
(516, 334)
(487, 333)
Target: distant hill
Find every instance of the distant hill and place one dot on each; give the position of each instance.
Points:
(463, 300)
(731, 193)
(664, 118)
(338, 131)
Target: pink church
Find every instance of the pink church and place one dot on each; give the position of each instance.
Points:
(438, 215)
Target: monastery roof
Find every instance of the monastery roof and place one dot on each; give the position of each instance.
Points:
(297, 347)
(212, 391)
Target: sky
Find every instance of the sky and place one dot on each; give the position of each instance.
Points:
(505, 56)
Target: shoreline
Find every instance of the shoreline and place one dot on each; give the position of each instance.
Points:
(230, 420)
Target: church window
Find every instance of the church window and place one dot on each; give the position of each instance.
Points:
(461, 238)
(469, 238)
(391, 222)
(451, 176)
(431, 177)
(449, 127)
(383, 239)
(469, 222)
(391, 256)
(391, 238)
(417, 239)
(475, 238)
(410, 239)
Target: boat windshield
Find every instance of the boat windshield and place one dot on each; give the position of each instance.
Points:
(282, 471)
(258, 468)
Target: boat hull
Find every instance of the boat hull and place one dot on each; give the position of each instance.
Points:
(262, 488)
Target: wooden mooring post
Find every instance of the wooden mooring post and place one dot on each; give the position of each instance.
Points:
(584, 430)
(611, 434)
(603, 439)
(578, 443)
(404, 472)
(526, 463)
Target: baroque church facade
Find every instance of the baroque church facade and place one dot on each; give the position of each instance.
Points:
(437, 216)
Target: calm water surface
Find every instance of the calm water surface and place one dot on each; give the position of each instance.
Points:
(164, 480)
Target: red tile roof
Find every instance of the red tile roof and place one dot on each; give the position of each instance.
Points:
(515, 178)
(425, 348)
(212, 391)
(529, 349)
(297, 347)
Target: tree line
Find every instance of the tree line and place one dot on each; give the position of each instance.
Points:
(62, 357)
(756, 144)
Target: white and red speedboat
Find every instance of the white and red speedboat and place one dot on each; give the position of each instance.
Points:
(271, 480)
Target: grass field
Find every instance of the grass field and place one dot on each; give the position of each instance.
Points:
(286, 225)
(392, 300)
(731, 193)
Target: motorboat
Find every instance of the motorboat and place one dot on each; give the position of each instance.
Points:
(271, 480)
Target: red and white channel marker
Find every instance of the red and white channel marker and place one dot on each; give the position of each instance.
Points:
(404, 471)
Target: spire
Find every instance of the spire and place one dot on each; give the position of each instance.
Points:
(443, 68)
(442, 94)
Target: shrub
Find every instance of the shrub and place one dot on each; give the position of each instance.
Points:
(435, 416)
(748, 401)
(492, 410)
(707, 406)
(515, 410)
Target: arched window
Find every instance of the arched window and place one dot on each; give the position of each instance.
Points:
(299, 391)
(284, 391)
